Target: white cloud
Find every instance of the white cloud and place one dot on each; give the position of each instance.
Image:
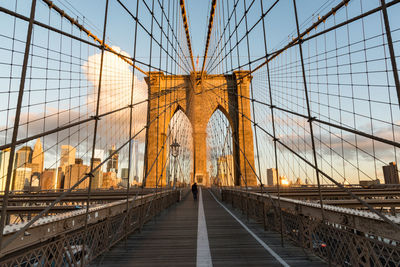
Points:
(116, 87)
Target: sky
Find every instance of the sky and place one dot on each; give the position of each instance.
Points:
(69, 104)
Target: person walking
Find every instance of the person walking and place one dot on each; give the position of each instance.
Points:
(194, 191)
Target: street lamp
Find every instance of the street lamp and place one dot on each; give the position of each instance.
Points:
(175, 152)
(175, 148)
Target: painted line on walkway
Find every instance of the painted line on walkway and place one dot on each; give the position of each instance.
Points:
(203, 246)
(262, 243)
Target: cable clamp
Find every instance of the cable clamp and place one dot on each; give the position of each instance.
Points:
(97, 118)
(130, 106)
(90, 174)
(310, 119)
(275, 139)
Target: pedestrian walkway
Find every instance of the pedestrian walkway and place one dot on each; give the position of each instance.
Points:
(204, 233)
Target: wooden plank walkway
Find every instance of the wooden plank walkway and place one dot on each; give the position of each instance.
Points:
(171, 240)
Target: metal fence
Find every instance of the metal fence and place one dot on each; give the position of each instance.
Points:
(73, 247)
(354, 241)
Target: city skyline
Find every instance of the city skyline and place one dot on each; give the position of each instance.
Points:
(31, 173)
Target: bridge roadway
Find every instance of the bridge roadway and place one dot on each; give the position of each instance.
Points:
(204, 233)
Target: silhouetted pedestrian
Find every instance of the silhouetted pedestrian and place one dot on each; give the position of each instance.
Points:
(194, 191)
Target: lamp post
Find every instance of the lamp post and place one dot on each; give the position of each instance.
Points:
(175, 152)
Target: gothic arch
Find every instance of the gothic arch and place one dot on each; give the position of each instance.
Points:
(223, 110)
(193, 96)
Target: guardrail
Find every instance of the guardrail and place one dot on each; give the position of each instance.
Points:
(61, 240)
(347, 237)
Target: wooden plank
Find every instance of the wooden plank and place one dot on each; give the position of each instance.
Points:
(171, 239)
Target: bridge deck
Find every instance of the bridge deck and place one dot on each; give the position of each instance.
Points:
(172, 240)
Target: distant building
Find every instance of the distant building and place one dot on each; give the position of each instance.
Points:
(391, 173)
(59, 183)
(97, 180)
(22, 177)
(34, 166)
(4, 161)
(271, 177)
(124, 177)
(67, 156)
(38, 156)
(225, 171)
(298, 182)
(48, 179)
(109, 179)
(368, 183)
(75, 172)
(136, 158)
(23, 156)
(112, 164)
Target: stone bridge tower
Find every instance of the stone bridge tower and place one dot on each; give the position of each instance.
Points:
(199, 99)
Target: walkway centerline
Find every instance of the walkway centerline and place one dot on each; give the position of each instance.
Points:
(203, 247)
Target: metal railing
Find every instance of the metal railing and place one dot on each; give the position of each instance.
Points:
(60, 241)
(347, 238)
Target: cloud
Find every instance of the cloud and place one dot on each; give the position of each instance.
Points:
(116, 88)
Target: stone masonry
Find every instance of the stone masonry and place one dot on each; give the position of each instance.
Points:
(199, 98)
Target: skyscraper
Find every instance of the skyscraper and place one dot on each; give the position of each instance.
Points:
(23, 156)
(124, 176)
(48, 179)
(67, 156)
(391, 173)
(112, 164)
(4, 160)
(109, 180)
(136, 154)
(22, 177)
(97, 180)
(271, 177)
(75, 172)
(38, 155)
(225, 170)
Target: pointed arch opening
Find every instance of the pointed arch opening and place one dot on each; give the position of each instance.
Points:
(220, 156)
(179, 147)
